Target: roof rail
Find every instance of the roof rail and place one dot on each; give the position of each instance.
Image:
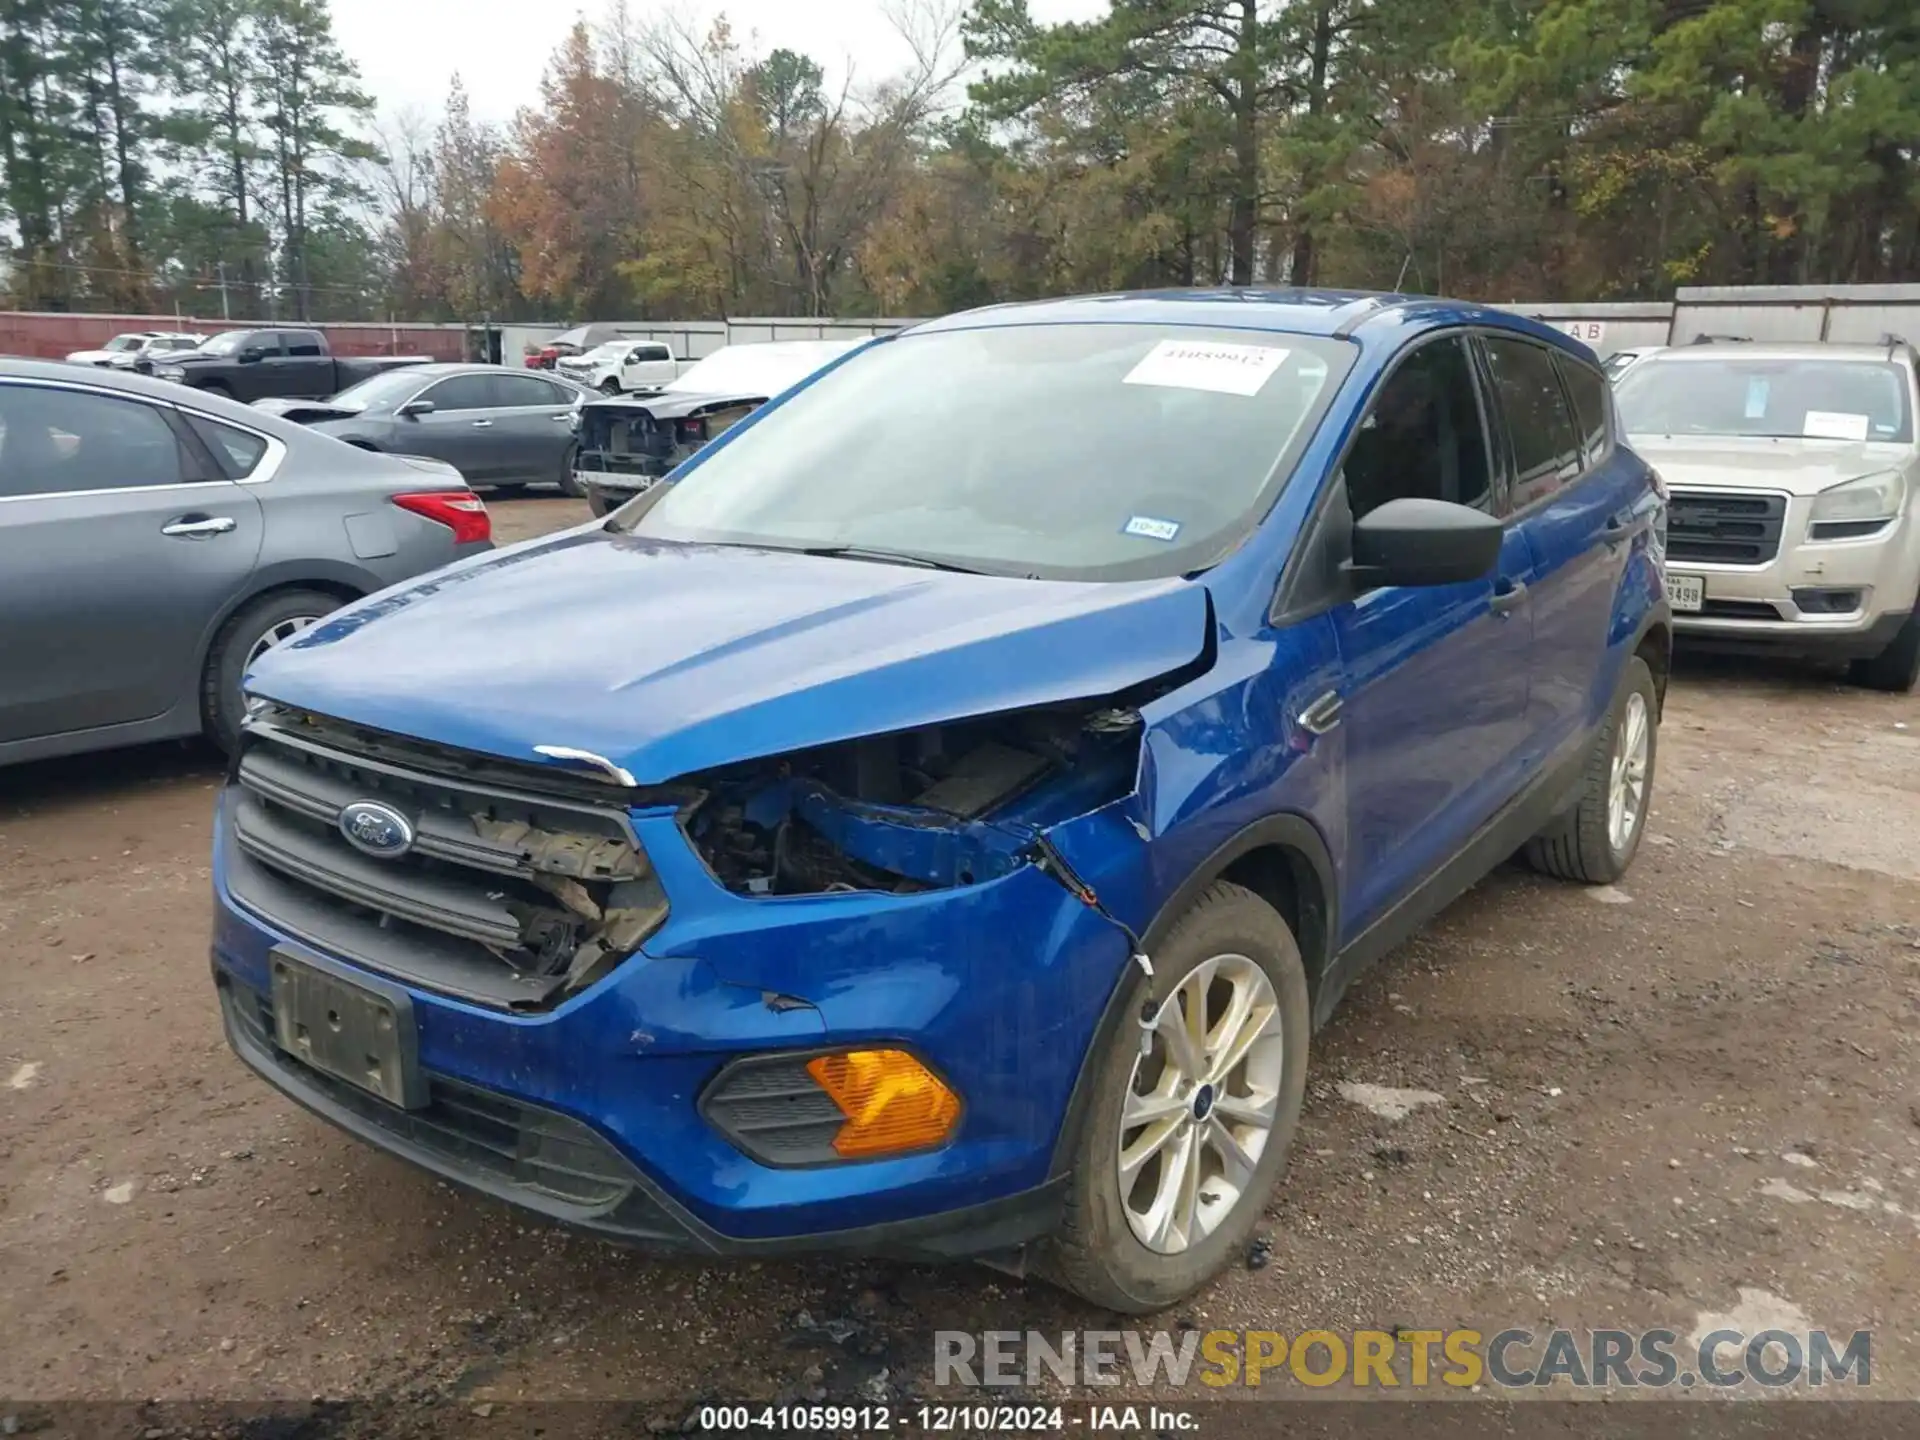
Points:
(1721, 340)
(1895, 343)
(1364, 310)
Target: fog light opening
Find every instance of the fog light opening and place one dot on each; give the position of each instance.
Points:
(893, 1103)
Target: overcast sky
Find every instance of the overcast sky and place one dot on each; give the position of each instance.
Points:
(408, 50)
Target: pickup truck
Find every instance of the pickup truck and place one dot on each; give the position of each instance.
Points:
(622, 367)
(935, 821)
(250, 365)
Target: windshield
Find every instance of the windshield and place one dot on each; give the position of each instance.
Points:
(392, 388)
(759, 369)
(608, 350)
(1813, 397)
(1090, 451)
(227, 342)
(122, 343)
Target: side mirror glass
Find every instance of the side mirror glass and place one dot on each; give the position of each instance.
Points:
(1424, 542)
(413, 409)
(252, 355)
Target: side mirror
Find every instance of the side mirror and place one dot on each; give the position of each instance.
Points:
(252, 355)
(1424, 542)
(414, 409)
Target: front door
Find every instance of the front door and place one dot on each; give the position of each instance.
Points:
(461, 427)
(118, 550)
(1436, 678)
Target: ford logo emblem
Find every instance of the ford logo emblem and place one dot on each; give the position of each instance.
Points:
(378, 830)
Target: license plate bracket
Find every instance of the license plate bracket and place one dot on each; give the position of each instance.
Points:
(1688, 593)
(355, 1029)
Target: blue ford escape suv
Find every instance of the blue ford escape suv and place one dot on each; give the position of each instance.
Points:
(934, 820)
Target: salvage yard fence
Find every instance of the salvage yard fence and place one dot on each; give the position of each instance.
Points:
(1859, 313)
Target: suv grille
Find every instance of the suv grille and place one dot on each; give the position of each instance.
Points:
(505, 897)
(1724, 528)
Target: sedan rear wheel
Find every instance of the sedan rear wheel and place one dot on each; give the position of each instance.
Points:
(268, 623)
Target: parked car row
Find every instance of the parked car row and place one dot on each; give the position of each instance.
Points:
(124, 352)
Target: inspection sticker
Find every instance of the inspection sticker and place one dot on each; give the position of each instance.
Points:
(1208, 365)
(1151, 529)
(1834, 425)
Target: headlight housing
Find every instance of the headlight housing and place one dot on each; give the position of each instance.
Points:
(1858, 507)
(170, 372)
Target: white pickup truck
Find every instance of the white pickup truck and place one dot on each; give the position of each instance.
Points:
(623, 367)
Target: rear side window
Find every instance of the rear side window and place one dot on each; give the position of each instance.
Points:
(238, 452)
(1588, 387)
(304, 343)
(463, 392)
(525, 391)
(64, 442)
(1546, 451)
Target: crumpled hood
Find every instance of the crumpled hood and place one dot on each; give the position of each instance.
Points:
(673, 404)
(1797, 466)
(670, 659)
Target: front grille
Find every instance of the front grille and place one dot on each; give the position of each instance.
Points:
(1740, 610)
(1724, 527)
(505, 897)
(524, 1152)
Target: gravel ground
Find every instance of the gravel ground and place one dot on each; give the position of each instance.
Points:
(1694, 1094)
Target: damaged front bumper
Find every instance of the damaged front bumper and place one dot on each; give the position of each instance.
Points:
(589, 1113)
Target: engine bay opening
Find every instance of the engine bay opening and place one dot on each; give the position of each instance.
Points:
(931, 808)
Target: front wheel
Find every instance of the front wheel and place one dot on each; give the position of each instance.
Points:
(251, 632)
(1895, 669)
(569, 485)
(1191, 1116)
(609, 387)
(1595, 842)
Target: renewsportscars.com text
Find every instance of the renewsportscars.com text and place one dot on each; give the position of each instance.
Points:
(1414, 1359)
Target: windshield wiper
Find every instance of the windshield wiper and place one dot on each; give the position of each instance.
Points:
(888, 557)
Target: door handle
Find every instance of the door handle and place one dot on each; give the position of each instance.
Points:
(562, 417)
(1322, 715)
(482, 424)
(203, 527)
(1507, 595)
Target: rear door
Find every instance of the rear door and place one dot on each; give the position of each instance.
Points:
(307, 368)
(530, 424)
(461, 429)
(120, 544)
(1573, 498)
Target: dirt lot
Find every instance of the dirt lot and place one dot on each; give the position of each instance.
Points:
(1697, 1093)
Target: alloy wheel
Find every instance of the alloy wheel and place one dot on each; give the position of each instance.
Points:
(1200, 1104)
(1627, 790)
(278, 634)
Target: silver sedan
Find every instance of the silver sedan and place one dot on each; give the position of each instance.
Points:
(154, 541)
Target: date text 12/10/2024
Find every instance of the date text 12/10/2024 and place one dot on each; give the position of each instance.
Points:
(945, 1419)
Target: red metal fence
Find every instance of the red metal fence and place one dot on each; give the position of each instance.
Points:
(47, 335)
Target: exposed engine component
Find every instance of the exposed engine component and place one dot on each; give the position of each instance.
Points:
(930, 808)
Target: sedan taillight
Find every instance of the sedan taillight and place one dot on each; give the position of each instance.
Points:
(461, 511)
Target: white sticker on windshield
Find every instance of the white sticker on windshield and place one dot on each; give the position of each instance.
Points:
(1208, 365)
(1149, 528)
(1834, 425)
(1757, 388)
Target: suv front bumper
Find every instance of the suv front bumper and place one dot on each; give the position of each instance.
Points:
(1843, 599)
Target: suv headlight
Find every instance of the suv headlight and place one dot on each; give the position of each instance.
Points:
(1857, 507)
(170, 372)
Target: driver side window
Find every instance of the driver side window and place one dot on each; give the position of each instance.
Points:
(1423, 436)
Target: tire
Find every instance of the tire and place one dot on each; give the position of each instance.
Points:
(609, 387)
(1895, 669)
(570, 487)
(1582, 844)
(1098, 1253)
(221, 708)
(599, 504)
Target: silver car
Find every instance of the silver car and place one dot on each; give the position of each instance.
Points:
(155, 540)
(1795, 515)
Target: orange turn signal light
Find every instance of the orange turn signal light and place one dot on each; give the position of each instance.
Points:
(892, 1102)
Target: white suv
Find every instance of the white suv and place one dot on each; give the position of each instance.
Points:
(1795, 513)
